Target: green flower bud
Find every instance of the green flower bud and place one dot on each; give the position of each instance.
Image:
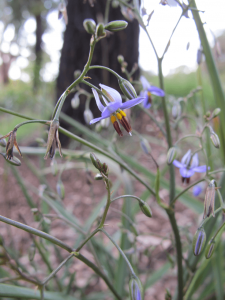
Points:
(54, 168)
(215, 140)
(120, 59)
(13, 161)
(176, 110)
(95, 161)
(145, 208)
(77, 73)
(88, 116)
(31, 252)
(98, 177)
(116, 25)
(171, 155)
(127, 88)
(199, 241)
(145, 146)
(60, 189)
(100, 32)
(105, 169)
(75, 101)
(89, 26)
(208, 114)
(210, 249)
(105, 123)
(135, 289)
(216, 112)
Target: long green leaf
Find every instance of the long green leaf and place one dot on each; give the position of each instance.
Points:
(217, 264)
(157, 275)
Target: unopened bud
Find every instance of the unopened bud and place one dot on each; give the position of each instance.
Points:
(215, 140)
(13, 161)
(176, 110)
(95, 161)
(3, 142)
(89, 26)
(135, 289)
(60, 189)
(208, 114)
(171, 155)
(145, 208)
(88, 116)
(98, 177)
(199, 241)
(115, 3)
(127, 88)
(100, 32)
(77, 73)
(120, 59)
(54, 168)
(216, 112)
(75, 101)
(31, 252)
(209, 202)
(105, 169)
(145, 146)
(105, 123)
(34, 210)
(210, 249)
(116, 25)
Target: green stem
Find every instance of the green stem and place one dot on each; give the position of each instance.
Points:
(129, 196)
(187, 136)
(87, 239)
(105, 68)
(107, 204)
(204, 221)
(216, 171)
(31, 121)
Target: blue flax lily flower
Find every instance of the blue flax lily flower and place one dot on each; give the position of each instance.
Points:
(147, 92)
(188, 166)
(114, 108)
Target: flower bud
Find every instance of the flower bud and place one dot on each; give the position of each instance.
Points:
(120, 59)
(199, 241)
(105, 169)
(31, 252)
(176, 110)
(208, 114)
(54, 168)
(88, 116)
(216, 112)
(145, 208)
(115, 3)
(210, 249)
(105, 123)
(75, 101)
(3, 142)
(145, 146)
(127, 88)
(209, 202)
(60, 189)
(77, 73)
(171, 155)
(95, 161)
(98, 177)
(100, 32)
(135, 289)
(13, 161)
(116, 25)
(215, 140)
(89, 26)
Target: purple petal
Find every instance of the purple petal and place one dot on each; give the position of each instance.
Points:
(156, 91)
(197, 189)
(186, 158)
(112, 92)
(97, 119)
(111, 108)
(200, 169)
(132, 103)
(146, 103)
(195, 161)
(186, 173)
(98, 101)
(144, 82)
(177, 164)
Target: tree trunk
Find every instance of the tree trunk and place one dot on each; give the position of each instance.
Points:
(38, 51)
(76, 48)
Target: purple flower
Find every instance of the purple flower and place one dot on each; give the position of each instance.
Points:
(197, 189)
(147, 92)
(188, 166)
(114, 109)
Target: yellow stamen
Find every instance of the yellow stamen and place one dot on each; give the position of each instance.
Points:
(122, 113)
(119, 116)
(113, 119)
(149, 94)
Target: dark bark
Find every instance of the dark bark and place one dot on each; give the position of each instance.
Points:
(38, 51)
(76, 48)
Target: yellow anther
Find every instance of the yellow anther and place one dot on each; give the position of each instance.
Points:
(113, 119)
(122, 113)
(119, 116)
(149, 94)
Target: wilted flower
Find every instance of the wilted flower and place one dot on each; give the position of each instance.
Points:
(188, 166)
(113, 109)
(147, 92)
(209, 202)
(199, 241)
(53, 140)
(11, 142)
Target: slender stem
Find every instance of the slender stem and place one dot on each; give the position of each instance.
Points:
(107, 11)
(107, 204)
(31, 121)
(187, 136)
(10, 279)
(8, 111)
(121, 252)
(204, 221)
(126, 217)
(220, 197)
(216, 171)
(154, 49)
(129, 196)
(87, 239)
(105, 68)
(221, 227)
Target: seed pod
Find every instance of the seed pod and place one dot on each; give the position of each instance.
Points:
(116, 25)
(135, 289)
(98, 177)
(209, 202)
(120, 59)
(176, 110)
(145, 208)
(95, 161)
(13, 161)
(216, 112)
(171, 155)
(60, 189)
(215, 140)
(199, 241)
(210, 249)
(100, 32)
(88, 116)
(3, 142)
(75, 101)
(89, 26)
(145, 146)
(31, 252)
(127, 88)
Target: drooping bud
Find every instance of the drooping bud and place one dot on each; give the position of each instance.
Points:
(145, 208)
(210, 249)
(95, 161)
(116, 25)
(171, 155)
(135, 289)
(88, 116)
(120, 59)
(215, 139)
(105, 123)
(176, 110)
(60, 189)
(13, 161)
(100, 32)
(2, 142)
(209, 202)
(98, 177)
(75, 101)
(216, 112)
(31, 252)
(199, 241)
(89, 26)
(145, 146)
(127, 88)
